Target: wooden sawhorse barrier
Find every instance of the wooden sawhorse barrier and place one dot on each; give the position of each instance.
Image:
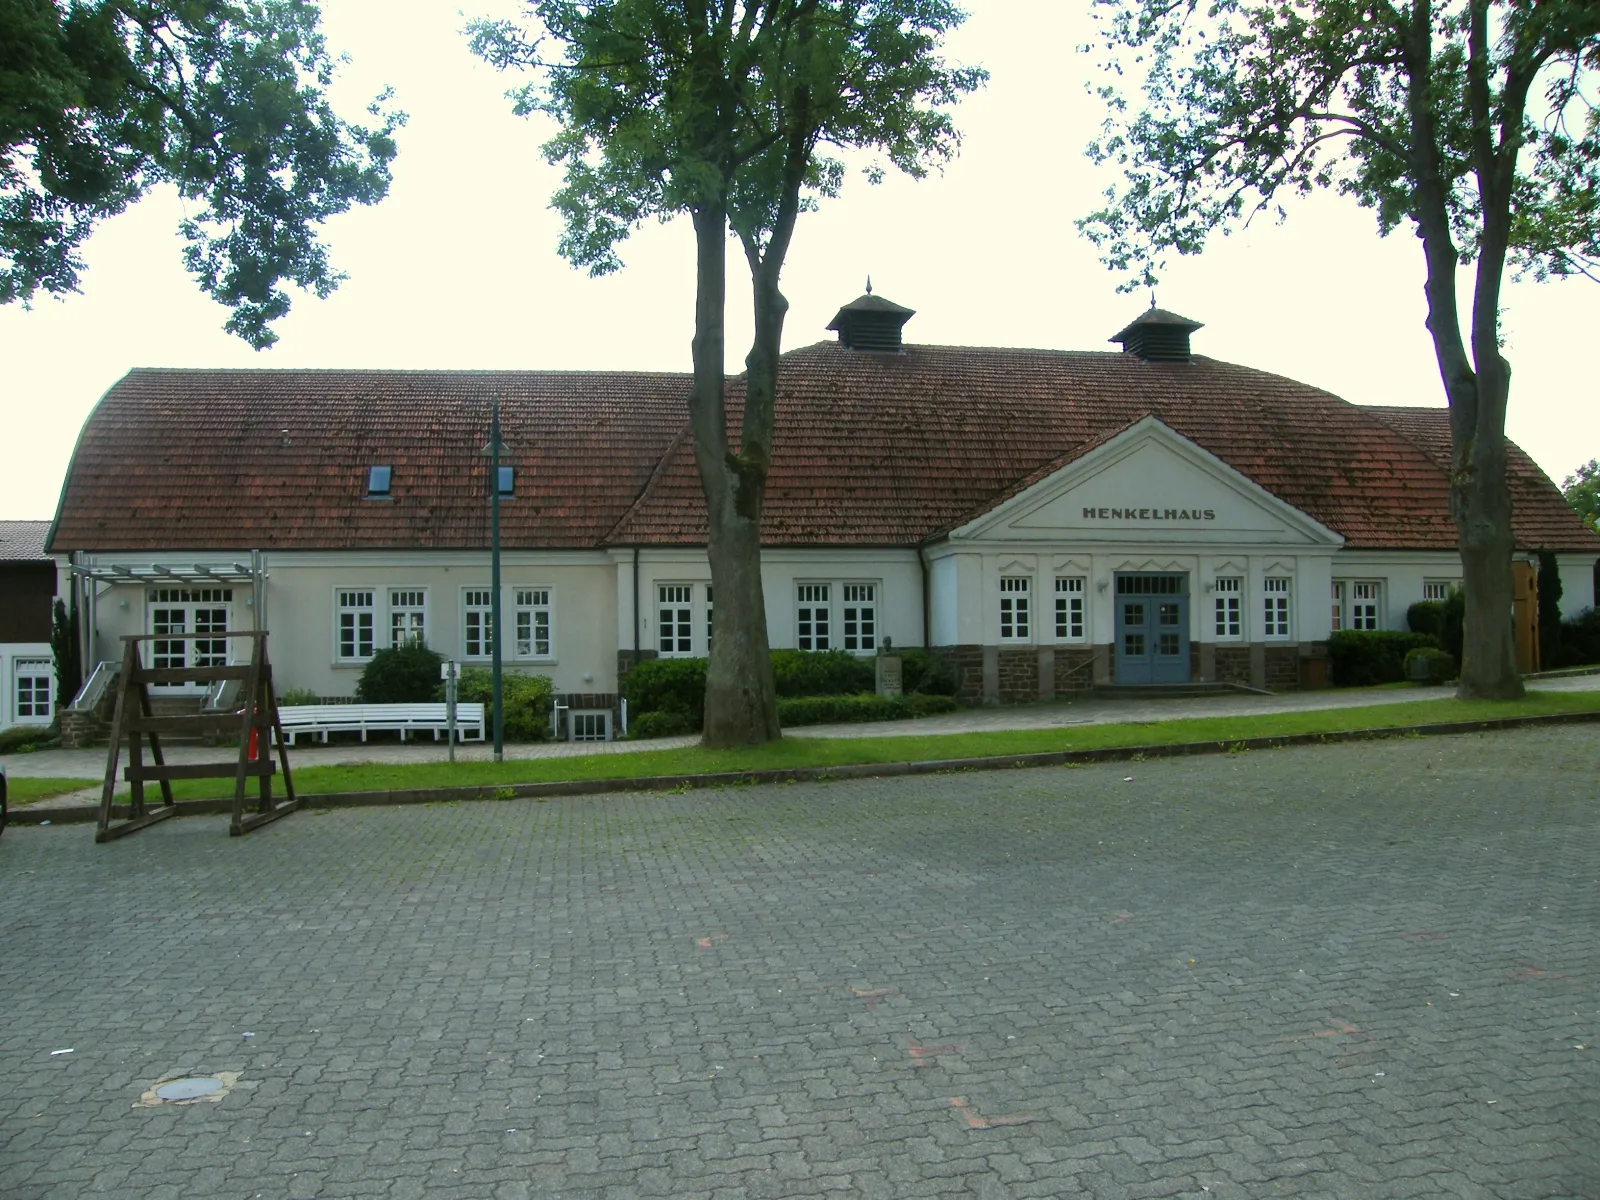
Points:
(256, 721)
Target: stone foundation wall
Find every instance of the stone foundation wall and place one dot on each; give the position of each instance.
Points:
(1019, 675)
(968, 664)
(1283, 667)
(1232, 664)
(1074, 669)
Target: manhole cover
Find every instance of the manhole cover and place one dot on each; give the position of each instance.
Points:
(189, 1089)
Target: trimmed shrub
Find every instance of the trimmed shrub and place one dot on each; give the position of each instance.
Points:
(406, 675)
(660, 724)
(24, 739)
(829, 710)
(930, 674)
(1452, 623)
(1580, 640)
(1426, 616)
(1362, 658)
(526, 697)
(1427, 665)
(667, 685)
(822, 673)
(1549, 614)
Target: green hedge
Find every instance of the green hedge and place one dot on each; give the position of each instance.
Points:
(660, 724)
(1440, 667)
(408, 674)
(830, 710)
(1426, 616)
(1360, 658)
(527, 700)
(822, 673)
(667, 685)
(1580, 641)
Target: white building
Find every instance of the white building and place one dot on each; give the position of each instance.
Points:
(1046, 519)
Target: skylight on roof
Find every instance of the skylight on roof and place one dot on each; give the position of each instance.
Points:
(508, 481)
(378, 480)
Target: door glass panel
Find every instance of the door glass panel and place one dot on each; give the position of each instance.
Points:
(1168, 614)
(1133, 614)
(1133, 645)
(1167, 643)
(168, 653)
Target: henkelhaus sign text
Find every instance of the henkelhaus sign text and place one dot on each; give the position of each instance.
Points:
(1149, 514)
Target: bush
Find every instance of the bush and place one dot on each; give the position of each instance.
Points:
(1580, 640)
(930, 674)
(829, 710)
(1426, 616)
(822, 673)
(24, 739)
(406, 675)
(660, 724)
(301, 696)
(1452, 622)
(1427, 665)
(1360, 658)
(527, 700)
(667, 685)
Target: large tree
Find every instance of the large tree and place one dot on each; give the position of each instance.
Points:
(102, 100)
(1473, 122)
(1582, 490)
(728, 111)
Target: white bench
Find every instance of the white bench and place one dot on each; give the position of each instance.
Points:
(381, 718)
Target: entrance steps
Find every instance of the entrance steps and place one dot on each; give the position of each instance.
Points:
(1163, 691)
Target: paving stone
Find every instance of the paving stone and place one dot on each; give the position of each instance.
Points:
(1303, 973)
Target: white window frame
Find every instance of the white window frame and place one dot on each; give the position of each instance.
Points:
(477, 602)
(813, 615)
(33, 670)
(1016, 608)
(1277, 608)
(1356, 602)
(1071, 618)
(1440, 589)
(344, 601)
(533, 601)
(1227, 619)
(680, 604)
(406, 601)
(710, 618)
(1340, 591)
(858, 611)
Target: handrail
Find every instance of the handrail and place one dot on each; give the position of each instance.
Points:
(94, 688)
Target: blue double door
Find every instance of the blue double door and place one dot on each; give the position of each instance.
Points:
(1152, 628)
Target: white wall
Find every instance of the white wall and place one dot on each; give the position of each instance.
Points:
(1577, 583)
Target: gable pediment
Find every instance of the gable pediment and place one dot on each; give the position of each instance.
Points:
(1148, 484)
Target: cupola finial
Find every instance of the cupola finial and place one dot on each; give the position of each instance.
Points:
(869, 285)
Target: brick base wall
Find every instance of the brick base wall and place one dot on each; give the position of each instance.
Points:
(1019, 675)
(968, 664)
(1233, 664)
(1074, 669)
(1283, 667)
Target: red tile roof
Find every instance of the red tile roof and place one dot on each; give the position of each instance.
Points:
(869, 449)
(279, 459)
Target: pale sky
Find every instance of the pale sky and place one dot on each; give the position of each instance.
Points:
(457, 268)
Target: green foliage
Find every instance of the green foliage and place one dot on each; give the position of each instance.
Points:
(1426, 664)
(661, 724)
(822, 673)
(1452, 631)
(1426, 616)
(1580, 641)
(24, 739)
(929, 674)
(295, 696)
(408, 674)
(829, 710)
(103, 100)
(1582, 490)
(67, 653)
(527, 699)
(667, 685)
(1549, 609)
(1361, 658)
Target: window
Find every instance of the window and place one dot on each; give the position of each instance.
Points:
(408, 620)
(355, 625)
(1014, 608)
(1275, 607)
(210, 651)
(812, 617)
(378, 481)
(860, 617)
(674, 628)
(1439, 589)
(33, 691)
(1229, 590)
(589, 725)
(533, 622)
(709, 614)
(170, 650)
(1069, 608)
(477, 612)
(1365, 600)
(508, 481)
(1338, 605)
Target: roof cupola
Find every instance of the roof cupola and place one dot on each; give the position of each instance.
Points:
(871, 323)
(1157, 335)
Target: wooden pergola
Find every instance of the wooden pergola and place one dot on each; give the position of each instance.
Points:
(255, 721)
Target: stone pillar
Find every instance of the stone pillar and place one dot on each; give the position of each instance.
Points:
(1258, 665)
(1208, 662)
(1047, 672)
(991, 675)
(1102, 664)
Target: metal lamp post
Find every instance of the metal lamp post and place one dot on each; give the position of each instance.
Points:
(493, 451)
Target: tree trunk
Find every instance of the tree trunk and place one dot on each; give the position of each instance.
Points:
(741, 708)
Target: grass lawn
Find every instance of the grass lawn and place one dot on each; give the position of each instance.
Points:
(21, 792)
(826, 752)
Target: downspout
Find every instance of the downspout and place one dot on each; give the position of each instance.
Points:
(636, 604)
(927, 604)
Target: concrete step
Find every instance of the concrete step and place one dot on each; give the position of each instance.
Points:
(1161, 691)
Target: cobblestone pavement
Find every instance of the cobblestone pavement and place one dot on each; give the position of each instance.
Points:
(1346, 971)
(88, 764)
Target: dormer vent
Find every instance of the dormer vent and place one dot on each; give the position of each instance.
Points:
(871, 323)
(1157, 335)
